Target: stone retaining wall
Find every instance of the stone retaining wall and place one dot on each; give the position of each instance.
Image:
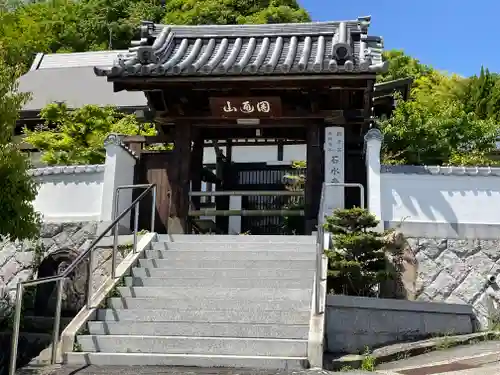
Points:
(454, 271)
(18, 259)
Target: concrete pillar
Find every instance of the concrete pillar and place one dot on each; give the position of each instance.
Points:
(373, 144)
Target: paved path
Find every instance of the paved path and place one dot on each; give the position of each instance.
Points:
(164, 370)
(482, 358)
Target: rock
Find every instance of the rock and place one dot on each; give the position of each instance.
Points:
(50, 230)
(10, 269)
(16, 258)
(454, 271)
(464, 248)
(402, 261)
(432, 247)
(7, 251)
(491, 249)
(19, 277)
(25, 258)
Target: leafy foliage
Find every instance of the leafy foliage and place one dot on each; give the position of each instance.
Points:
(402, 66)
(295, 182)
(18, 219)
(77, 136)
(200, 12)
(83, 25)
(357, 262)
(448, 120)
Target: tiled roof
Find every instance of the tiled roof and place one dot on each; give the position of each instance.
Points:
(318, 47)
(75, 59)
(66, 169)
(73, 82)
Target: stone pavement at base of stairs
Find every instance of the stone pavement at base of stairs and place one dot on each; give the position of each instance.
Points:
(165, 370)
(480, 358)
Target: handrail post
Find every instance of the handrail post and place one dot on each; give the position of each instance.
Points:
(153, 208)
(115, 208)
(16, 328)
(136, 226)
(57, 319)
(113, 253)
(90, 267)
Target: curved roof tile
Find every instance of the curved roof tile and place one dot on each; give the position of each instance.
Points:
(217, 50)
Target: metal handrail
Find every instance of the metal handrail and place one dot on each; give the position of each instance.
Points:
(60, 279)
(245, 193)
(320, 239)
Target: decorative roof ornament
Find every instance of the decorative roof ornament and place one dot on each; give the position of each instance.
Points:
(113, 139)
(375, 134)
(279, 49)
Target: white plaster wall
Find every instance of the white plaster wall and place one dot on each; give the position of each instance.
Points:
(69, 197)
(439, 198)
(119, 172)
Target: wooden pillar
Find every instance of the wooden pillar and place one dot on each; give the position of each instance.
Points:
(196, 165)
(180, 190)
(314, 176)
(224, 173)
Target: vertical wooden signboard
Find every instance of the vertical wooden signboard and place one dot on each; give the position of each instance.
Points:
(334, 197)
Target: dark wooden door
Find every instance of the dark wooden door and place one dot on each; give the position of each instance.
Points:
(156, 167)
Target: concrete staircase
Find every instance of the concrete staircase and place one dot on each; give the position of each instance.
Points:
(209, 301)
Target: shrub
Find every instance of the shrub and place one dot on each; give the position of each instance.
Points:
(357, 261)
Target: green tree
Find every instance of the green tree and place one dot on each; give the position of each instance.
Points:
(18, 219)
(402, 66)
(77, 136)
(357, 261)
(77, 26)
(435, 127)
(202, 12)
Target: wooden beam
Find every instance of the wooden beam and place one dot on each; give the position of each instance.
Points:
(339, 117)
(148, 140)
(216, 83)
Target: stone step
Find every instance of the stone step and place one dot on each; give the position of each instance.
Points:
(230, 238)
(210, 315)
(235, 246)
(259, 273)
(219, 282)
(191, 256)
(284, 331)
(184, 360)
(152, 303)
(214, 263)
(253, 294)
(192, 345)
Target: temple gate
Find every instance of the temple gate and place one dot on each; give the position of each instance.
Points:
(279, 82)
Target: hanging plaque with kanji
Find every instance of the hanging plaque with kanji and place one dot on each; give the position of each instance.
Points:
(246, 107)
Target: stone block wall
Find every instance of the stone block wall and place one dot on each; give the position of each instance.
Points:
(18, 259)
(454, 271)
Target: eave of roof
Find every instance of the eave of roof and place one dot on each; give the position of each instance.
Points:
(251, 50)
(388, 87)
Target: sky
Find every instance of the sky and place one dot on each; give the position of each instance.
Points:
(457, 36)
